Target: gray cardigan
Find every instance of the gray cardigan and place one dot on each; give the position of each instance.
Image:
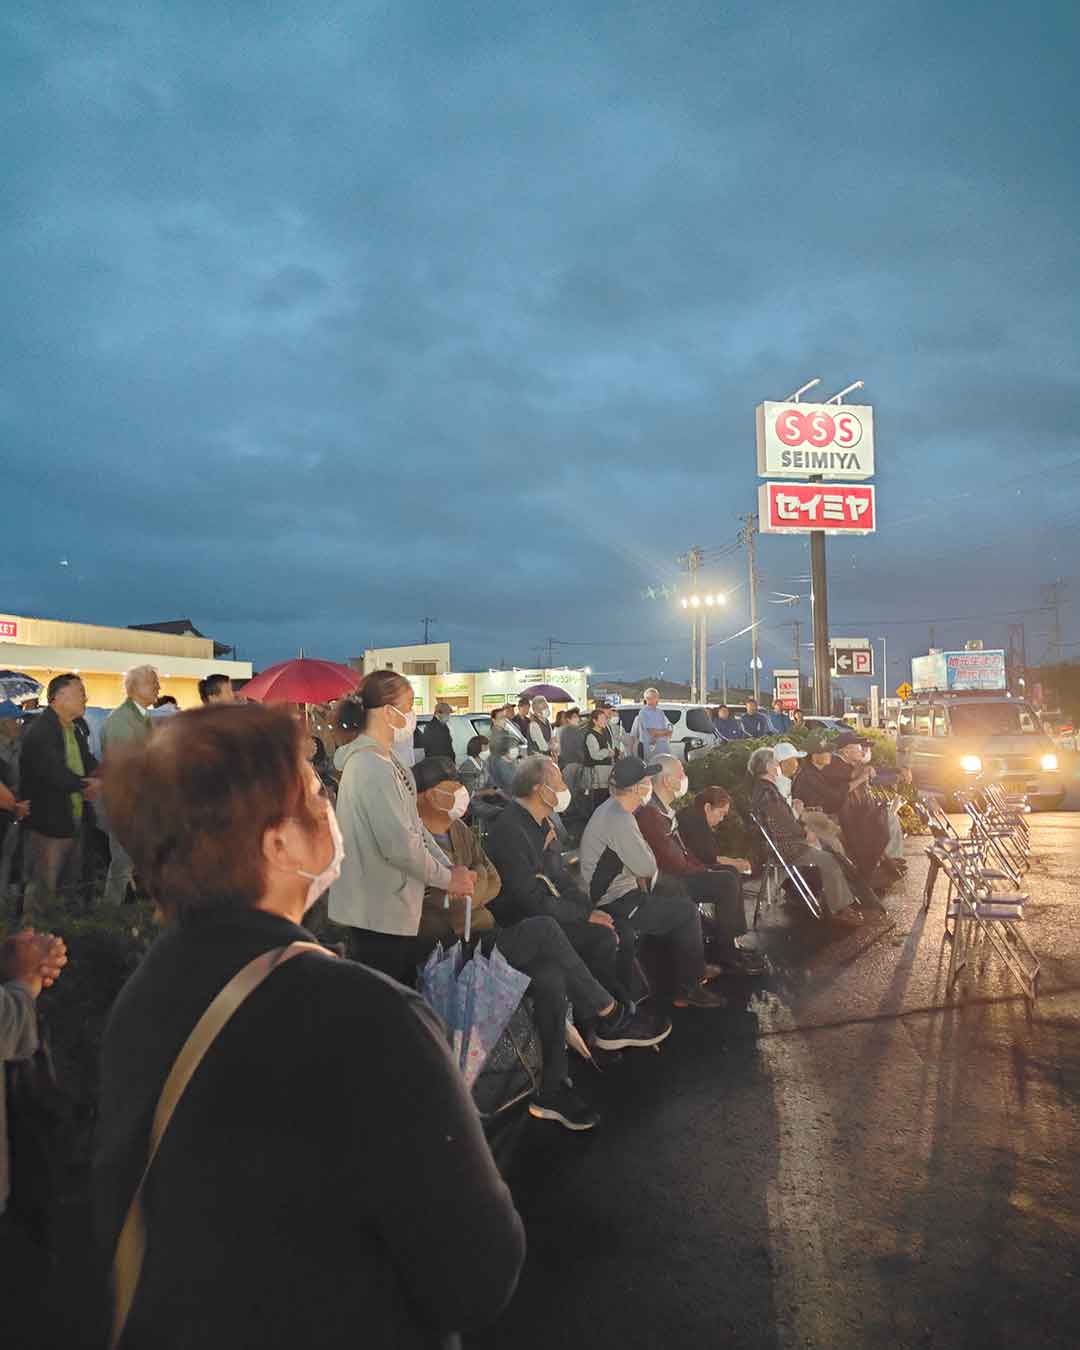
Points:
(389, 856)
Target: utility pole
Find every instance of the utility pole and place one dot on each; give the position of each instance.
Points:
(550, 644)
(933, 637)
(723, 678)
(748, 537)
(1051, 594)
(427, 621)
(697, 626)
(1017, 660)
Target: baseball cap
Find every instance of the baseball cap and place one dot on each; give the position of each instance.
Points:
(630, 771)
(847, 738)
(785, 750)
(438, 769)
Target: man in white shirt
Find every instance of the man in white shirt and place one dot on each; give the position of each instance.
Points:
(127, 725)
(651, 733)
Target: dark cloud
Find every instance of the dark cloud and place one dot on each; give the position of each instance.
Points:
(324, 317)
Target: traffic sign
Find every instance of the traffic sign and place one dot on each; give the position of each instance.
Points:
(852, 656)
(904, 691)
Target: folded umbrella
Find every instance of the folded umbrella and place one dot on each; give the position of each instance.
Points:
(475, 998)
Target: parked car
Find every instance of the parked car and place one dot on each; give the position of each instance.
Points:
(832, 726)
(463, 727)
(692, 735)
(948, 741)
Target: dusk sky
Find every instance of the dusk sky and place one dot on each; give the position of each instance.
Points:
(323, 317)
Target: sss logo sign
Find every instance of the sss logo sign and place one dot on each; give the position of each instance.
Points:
(796, 440)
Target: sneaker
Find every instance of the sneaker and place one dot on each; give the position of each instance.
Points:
(564, 1107)
(701, 997)
(631, 1031)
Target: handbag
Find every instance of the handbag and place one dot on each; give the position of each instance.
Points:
(131, 1244)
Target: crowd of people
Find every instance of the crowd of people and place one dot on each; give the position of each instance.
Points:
(570, 843)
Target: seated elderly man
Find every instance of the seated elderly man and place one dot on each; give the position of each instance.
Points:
(832, 785)
(535, 882)
(683, 874)
(797, 845)
(537, 947)
(620, 870)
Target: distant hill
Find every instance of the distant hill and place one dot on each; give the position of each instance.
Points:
(669, 690)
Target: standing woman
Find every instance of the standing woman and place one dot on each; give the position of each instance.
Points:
(598, 755)
(389, 856)
(323, 1181)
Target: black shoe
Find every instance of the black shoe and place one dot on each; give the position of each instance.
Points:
(564, 1107)
(700, 997)
(631, 1031)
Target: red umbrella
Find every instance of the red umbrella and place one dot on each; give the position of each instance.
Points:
(302, 680)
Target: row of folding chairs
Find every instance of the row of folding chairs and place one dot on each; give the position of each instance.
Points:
(983, 869)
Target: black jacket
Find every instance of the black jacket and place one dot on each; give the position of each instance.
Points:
(773, 812)
(821, 789)
(45, 779)
(437, 741)
(697, 836)
(325, 1181)
(516, 847)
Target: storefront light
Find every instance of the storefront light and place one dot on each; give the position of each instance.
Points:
(1049, 763)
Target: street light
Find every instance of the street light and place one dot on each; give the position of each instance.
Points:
(699, 640)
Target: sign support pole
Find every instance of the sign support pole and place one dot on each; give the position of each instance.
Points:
(819, 609)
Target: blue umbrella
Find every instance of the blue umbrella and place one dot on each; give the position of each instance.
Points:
(17, 686)
(476, 1000)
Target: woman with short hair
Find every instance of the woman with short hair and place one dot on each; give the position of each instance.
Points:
(323, 1180)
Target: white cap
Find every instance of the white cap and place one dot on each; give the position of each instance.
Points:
(785, 750)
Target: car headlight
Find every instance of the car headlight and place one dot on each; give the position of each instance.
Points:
(971, 764)
(1048, 763)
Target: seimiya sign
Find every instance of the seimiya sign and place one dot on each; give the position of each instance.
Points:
(798, 508)
(798, 440)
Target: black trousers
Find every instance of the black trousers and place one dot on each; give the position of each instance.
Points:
(721, 889)
(394, 954)
(599, 947)
(672, 917)
(540, 948)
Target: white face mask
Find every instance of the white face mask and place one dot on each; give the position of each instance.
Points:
(483, 755)
(404, 733)
(513, 752)
(563, 798)
(320, 881)
(648, 796)
(461, 803)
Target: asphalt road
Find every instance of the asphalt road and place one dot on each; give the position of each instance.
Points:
(849, 1159)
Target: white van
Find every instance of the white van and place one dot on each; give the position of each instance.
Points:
(463, 727)
(692, 735)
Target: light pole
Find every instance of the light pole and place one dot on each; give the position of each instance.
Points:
(698, 606)
(884, 671)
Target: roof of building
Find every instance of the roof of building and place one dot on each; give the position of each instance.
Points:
(183, 628)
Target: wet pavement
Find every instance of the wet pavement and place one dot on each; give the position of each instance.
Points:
(850, 1158)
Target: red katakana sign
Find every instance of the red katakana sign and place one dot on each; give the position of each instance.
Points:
(836, 508)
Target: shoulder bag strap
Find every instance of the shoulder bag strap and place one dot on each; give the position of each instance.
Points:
(131, 1244)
